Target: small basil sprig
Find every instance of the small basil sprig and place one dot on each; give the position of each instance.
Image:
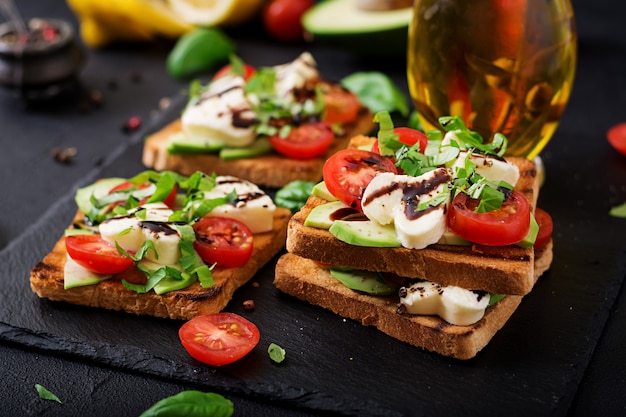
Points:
(191, 403)
(46, 394)
(377, 92)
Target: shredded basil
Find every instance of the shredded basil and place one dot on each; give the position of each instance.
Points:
(618, 211)
(276, 353)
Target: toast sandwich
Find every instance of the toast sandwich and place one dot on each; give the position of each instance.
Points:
(58, 278)
(308, 272)
(225, 132)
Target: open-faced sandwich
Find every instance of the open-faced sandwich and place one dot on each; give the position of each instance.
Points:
(162, 244)
(433, 239)
(271, 125)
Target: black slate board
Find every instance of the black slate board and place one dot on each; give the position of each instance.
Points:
(532, 366)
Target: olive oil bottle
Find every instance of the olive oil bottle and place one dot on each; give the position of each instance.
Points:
(502, 65)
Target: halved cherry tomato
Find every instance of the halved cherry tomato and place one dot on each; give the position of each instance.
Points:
(342, 106)
(545, 227)
(407, 136)
(169, 201)
(617, 137)
(349, 171)
(308, 140)
(505, 226)
(282, 19)
(222, 240)
(248, 71)
(219, 339)
(96, 254)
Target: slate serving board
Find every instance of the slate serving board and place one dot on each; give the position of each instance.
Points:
(532, 366)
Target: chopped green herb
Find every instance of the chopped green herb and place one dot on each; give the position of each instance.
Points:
(277, 353)
(293, 196)
(45, 394)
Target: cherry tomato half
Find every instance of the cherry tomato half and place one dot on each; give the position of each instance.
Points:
(224, 241)
(96, 254)
(342, 106)
(248, 71)
(282, 19)
(545, 227)
(617, 137)
(407, 136)
(218, 339)
(306, 141)
(505, 226)
(348, 172)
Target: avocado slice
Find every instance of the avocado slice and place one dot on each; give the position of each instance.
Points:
(531, 236)
(320, 190)
(368, 32)
(181, 144)
(364, 281)
(99, 189)
(323, 216)
(365, 233)
(260, 146)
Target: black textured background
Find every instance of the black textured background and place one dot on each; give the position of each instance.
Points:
(561, 353)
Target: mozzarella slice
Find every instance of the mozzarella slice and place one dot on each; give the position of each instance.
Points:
(493, 169)
(455, 305)
(395, 198)
(252, 206)
(294, 75)
(152, 225)
(222, 115)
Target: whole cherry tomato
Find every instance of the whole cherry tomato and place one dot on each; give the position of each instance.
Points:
(283, 19)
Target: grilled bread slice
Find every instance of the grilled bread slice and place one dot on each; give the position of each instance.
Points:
(310, 282)
(500, 270)
(46, 280)
(270, 170)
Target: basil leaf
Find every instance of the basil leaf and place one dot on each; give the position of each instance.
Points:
(277, 353)
(377, 92)
(164, 187)
(191, 404)
(494, 298)
(294, 195)
(45, 394)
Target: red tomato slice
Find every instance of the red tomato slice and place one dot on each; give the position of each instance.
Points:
(169, 201)
(342, 106)
(349, 171)
(306, 141)
(227, 242)
(248, 71)
(96, 254)
(282, 19)
(617, 137)
(545, 227)
(505, 226)
(407, 136)
(218, 339)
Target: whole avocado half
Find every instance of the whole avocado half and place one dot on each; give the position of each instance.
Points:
(340, 23)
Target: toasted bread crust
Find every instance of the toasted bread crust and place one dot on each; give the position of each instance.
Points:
(501, 270)
(271, 170)
(306, 280)
(46, 280)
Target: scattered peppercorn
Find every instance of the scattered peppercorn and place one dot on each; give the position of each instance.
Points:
(132, 124)
(64, 155)
(248, 305)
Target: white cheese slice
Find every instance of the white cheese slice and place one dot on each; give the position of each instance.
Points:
(394, 198)
(295, 75)
(455, 305)
(493, 169)
(252, 206)
(215, 117)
